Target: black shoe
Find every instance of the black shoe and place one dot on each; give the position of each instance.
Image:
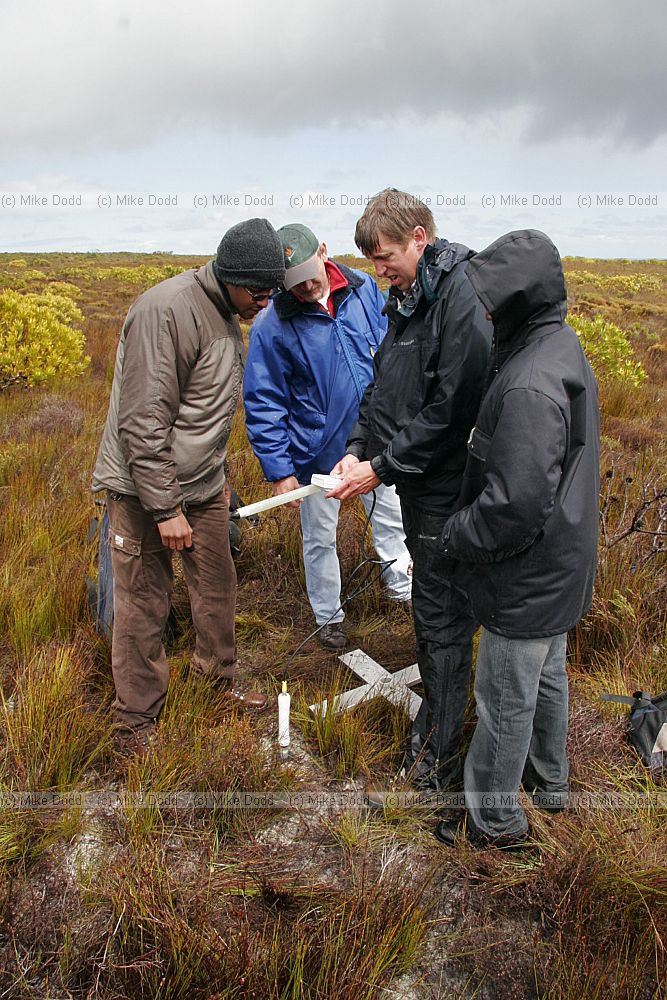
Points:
(332, 637)
(452, 832)
(425, 779)
(550, 802)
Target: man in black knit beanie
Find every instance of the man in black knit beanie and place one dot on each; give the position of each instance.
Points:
(177, 380)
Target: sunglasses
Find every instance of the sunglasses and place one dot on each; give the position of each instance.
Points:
(259, 296)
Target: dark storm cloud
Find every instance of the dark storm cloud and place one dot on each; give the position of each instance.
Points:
(83, 75)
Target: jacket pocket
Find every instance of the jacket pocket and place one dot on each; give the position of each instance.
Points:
(479, 444)
(402, 384)
(127, 562)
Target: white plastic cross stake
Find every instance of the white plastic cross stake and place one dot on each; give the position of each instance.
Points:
(318, 484)
(379, 683)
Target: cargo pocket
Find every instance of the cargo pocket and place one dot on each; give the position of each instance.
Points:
(127, 562)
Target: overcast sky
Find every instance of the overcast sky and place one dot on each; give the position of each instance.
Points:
(503, 114)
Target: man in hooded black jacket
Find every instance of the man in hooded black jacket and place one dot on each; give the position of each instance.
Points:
(525, 535)
(414, 422)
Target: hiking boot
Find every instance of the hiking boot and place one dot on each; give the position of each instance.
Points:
(332, 637)
(452, 832)
(134, 743)
(251, 701)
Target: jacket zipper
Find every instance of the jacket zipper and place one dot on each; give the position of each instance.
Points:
(348, 359)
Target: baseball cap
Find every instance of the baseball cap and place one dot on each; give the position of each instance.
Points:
(300, 246)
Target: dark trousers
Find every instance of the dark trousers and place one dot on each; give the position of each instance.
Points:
(143, 585)
(444, 628)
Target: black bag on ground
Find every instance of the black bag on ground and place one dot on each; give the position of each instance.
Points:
(648, 726)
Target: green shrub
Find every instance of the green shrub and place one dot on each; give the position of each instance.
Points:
(608, 349)
(144, 274)
(38, 338)
(623, 284)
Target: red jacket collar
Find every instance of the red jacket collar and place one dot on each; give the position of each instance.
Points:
(337, 280)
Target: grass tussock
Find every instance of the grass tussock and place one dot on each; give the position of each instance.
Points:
(51, 736)
(597, 887)
(26, 834)
(151, 928)
(363, 741)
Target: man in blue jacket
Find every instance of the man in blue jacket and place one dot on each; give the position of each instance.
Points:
(309, 362)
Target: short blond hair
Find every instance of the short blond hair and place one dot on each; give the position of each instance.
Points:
(394, 214)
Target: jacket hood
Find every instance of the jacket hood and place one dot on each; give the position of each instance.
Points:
(517, 278)
(287, 305)
(205, 276)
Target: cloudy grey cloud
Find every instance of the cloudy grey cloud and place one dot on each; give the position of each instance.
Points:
(83, 74)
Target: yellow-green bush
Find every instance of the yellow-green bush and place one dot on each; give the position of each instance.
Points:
(608, 349)
(38, 338)
(144, 274)
(623, 284)
(64, 288)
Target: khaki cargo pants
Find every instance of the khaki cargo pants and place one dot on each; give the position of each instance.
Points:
(143, 585)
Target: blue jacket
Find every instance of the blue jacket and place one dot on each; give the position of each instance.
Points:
(305, 376)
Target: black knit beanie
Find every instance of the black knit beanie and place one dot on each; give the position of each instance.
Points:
(250, 254)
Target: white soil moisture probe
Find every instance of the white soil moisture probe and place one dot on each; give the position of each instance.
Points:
(283, 720)
(318, 484)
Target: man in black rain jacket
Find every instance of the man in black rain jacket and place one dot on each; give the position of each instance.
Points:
(525, 534)
(414, 422)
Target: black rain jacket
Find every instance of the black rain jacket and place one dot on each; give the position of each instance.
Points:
(527, 529)
(416, 415)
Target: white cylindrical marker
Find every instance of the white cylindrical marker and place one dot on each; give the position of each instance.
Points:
(283, 717)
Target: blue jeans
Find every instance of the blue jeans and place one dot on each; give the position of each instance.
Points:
(319, 520)
(521, 695)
